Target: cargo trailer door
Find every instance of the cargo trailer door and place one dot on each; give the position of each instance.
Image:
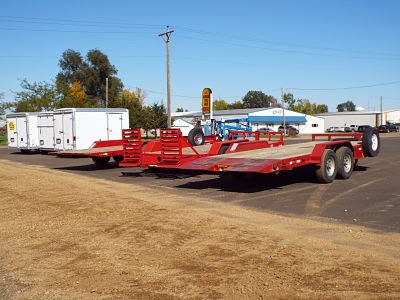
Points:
(63, 131)
(46, 132)
(114, 126)
(12, 132)
(22, 132)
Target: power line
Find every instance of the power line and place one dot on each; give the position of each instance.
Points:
(262, 40)
(186, 96)
(76, 22)
(69, 22)
(288, 50)
(345, 88)
(75, 31)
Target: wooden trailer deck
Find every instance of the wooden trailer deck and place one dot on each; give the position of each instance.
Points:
(259, 160)
(280, 152)
(89, 152)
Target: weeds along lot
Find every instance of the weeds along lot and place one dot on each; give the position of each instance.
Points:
(3, 139)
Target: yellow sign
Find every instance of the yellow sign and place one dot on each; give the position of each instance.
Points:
(11, 125)
(206, 100)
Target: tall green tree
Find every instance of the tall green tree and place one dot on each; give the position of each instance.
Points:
(289, 101)
(256, 99)
(3, 105)
(306, 107)
(235, 105)
(220, 104)
(160, 115)
(91, 74)
(346, 106)
(37, 96)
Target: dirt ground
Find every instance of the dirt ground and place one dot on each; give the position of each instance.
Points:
(67, 236)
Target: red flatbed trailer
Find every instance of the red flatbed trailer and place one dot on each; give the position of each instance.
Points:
(100, 152)
(332, 158)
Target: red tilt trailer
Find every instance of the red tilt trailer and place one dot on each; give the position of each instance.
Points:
(333, 158)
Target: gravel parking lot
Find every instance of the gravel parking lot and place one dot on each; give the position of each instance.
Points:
(70, 230)
(370, 198)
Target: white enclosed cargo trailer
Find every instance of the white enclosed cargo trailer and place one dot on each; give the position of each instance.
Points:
(22, 131)
(45, 124)
(78, 128)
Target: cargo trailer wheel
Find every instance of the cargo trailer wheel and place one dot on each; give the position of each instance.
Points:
(371, 142)
(326, 173)
(100, 160)
(196, 136)
(345, 160)
(118, 158)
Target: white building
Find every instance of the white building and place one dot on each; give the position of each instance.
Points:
(347, 118)
(271, 117)
(391, 116)
(184, 126)
(274, 117)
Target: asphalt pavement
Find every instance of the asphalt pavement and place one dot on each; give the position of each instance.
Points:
(370, 198)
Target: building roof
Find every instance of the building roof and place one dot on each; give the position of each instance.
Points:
(227, 112)
(82, 109)
(278, 119)
(343, 113)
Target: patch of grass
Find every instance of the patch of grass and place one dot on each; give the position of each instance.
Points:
(3, 140)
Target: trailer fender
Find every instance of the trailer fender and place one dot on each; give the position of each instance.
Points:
(371, 142)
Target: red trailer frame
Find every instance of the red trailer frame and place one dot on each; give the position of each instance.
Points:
(100, 152)
(173, 149)
(244, 152)
(332, 158)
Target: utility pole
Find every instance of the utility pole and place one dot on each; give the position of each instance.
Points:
(283, 113)
(166, 37)
(106, 92)
(381, 112)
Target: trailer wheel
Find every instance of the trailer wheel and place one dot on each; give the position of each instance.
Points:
(101, 160)
(326, 172)
(196, 136)
(118, 158)
(371, 142)
(223, 149)
(25, 151)
(345, 159)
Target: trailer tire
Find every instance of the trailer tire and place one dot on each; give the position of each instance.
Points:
(345, 159)
(25, 151)
(223, 149)
(118, 158)
(327, 171)
(101, 160)
(371, 142)
(196, 137)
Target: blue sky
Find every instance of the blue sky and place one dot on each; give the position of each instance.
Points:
(326, 51)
